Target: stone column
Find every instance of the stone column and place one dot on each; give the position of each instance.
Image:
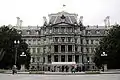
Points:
(72, 48)
(60, 58)
(84, 49)
(66, 48)
(52, 58)
(79, 49)
(73, 58)
(35, 58)
(46, 59)
(52, 48)
(58, 48)
(80, 59)
(65, 58)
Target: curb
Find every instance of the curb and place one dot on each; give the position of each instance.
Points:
(53, 73)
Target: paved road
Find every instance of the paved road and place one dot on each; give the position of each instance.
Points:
(59, 77)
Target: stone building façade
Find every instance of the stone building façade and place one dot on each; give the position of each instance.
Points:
(62, 42)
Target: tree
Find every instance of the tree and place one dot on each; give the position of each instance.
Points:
(111, 46)
(7, 48)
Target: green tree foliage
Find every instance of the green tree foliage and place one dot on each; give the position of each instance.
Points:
(8, 48)
(111, 46)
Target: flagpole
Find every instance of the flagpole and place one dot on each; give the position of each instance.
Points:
(63, 7)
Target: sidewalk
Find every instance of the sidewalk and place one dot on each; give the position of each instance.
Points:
(69, 73)
(112, 71)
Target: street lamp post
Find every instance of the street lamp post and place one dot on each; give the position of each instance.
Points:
(88, 64)
(83, 66)
(16, 45)
(43, 57)
(104, 65)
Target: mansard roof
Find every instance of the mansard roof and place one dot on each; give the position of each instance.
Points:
(63, 17)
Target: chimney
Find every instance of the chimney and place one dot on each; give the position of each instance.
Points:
(44, 20)
(21, 23)
(81, 20)
(107, 21)
(18, 21)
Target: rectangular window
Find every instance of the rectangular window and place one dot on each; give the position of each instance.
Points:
(62, 58)
(56, 58)
(62, 48)
(49, 58)
(69, 48)
(69, 58)
(76, 48)
(56, 48)
(76, 58)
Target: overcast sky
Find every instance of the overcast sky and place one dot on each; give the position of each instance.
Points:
(32, 11)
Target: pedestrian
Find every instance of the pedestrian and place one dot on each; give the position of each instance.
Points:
(14, 69)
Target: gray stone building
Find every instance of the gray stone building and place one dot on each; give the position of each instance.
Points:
(62, 42)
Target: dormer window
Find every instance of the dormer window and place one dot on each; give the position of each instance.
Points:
(97, 32)
(88, 32)
(37, 32)
(28, 32)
